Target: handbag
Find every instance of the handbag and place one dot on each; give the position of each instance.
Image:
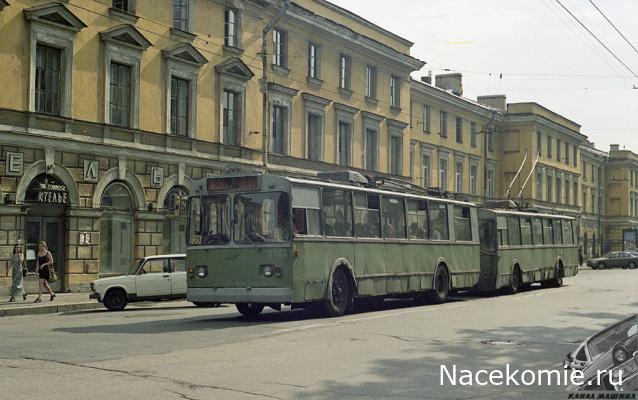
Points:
(53, 276)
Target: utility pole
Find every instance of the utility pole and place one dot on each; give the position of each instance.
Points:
(265, 137)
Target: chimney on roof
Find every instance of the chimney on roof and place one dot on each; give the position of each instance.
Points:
(614, 147)
(427, 79)
(495, 100)
(452, 82)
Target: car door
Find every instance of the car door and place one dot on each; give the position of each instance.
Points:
(178, 277)
(614, 259)
(154, 278)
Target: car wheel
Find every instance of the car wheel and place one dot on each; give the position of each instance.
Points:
(115, 300)
(339, 296)
(601, 266)
(516, 282)
(632, 265)
(441, 286)
(250, 310)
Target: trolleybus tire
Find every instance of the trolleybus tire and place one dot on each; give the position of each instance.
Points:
(516, 281)
(250, 310)
(339, 295)
(115, 300)
(441, 286)
(558, 277)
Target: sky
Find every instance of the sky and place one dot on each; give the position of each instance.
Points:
(543, 54)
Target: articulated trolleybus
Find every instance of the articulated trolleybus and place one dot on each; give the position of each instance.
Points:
(259, 240)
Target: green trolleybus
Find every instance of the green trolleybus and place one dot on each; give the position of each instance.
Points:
(259, 240)
(520, 248)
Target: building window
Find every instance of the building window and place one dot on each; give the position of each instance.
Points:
(559, 189)
(345, 71)
(231, 28)
(395, 92)
(396, 151)
(231, 104)
(443, 173)
(473, 179)
(490, 141)
(549, 147)
(593, 201)
(120, 102)
(458, 177)
(473, 134)
(459, 130)
(315, 133)
(280, 48)
(116, 230)
(371, 149)
(48, 70)
(279, 122)
(550, 188)
(576, 191)
(575, 156)
(539, 184)
(585, 200)
(180, 93)
(443, 123)
(174, 240)
(568, 185)
(426, 119)
(567, 153)
(123, 5)
(539, 143)
(558, 145)
(371, 82)
(313, 61)
(181, 15)
(491, 175)
(426, 177)
(343, 143)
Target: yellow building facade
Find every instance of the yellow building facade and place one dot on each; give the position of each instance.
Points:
(621, 199)
(111, 110)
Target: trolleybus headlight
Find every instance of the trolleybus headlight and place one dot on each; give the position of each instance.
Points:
(268, 270)
(202, 271)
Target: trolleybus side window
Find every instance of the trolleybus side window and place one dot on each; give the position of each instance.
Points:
(393, 217)
(337, 213)
(306, 211)
(537, 231)
(462, 225)
(568, 235)
(418, 219)
(262, 217)
(501, 225)
(367, 222)
(514, 230)
(548, 231)
(526, 231)
(558, 236)
(438, 221)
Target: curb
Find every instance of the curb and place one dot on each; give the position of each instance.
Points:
(49, 309)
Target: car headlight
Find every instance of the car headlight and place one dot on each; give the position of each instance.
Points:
(92, 286)
(202, 271)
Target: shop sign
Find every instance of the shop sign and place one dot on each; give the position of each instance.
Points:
(91, 170)
(47, 190)
(157, 177)
(15, 164)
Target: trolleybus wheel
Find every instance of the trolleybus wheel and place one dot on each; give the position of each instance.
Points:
(441, 286)
(339, 296)
(250, 310)
(516, 282)
(558, 279)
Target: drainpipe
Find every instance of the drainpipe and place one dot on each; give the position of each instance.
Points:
(265, 140)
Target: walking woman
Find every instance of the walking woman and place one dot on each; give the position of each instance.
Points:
(17, 261)
(43, 264)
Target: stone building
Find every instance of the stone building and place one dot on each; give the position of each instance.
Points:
(621, 199)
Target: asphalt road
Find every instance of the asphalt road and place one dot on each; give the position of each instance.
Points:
(176, 351)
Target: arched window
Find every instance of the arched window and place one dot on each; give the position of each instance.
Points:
(174, 238)
(116, 230)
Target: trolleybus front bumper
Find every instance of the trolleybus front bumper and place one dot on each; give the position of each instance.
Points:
(239, 295)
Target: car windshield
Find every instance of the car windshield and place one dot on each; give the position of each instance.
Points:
(608, 338)
(136, 266)
(209, 220)
(262, 218)
(608, 255)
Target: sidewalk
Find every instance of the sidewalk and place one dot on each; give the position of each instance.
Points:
(63, 302)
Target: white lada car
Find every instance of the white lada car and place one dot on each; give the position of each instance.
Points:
(152, 278)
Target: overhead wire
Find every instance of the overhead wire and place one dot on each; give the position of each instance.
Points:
(614, 26)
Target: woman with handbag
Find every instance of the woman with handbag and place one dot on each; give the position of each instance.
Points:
(44, 265)
(17, 262)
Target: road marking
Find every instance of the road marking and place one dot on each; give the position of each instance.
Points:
(369, 318)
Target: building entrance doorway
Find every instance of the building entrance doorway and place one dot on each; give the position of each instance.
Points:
(51, 230)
